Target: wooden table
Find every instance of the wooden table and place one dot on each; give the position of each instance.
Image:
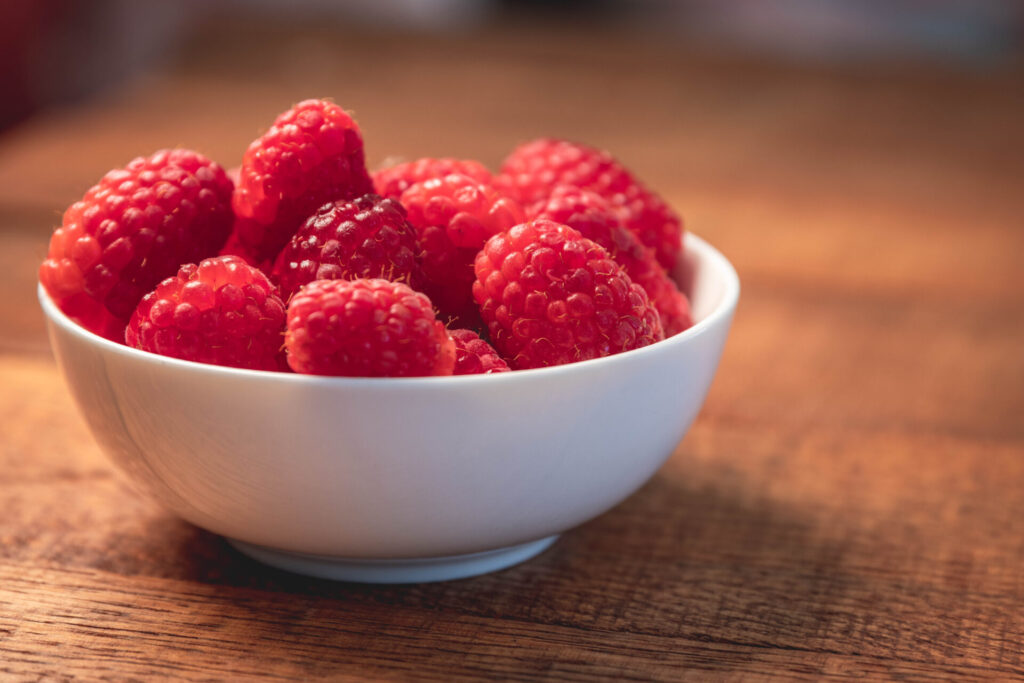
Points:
(849, 502)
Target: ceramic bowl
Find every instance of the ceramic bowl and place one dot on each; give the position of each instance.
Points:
(399, 480)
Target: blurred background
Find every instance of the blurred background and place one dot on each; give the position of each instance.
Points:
(59, 51)
(849, 156)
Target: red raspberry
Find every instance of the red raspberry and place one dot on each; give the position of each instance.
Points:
(132, 230)
(536, 168)
(594, 218)
(367, 237)
(551, 296)
(366, 328)
(453, 217)
(313, 154)
(222, 311)
(392, 182)
(474, 356)
(234, 247)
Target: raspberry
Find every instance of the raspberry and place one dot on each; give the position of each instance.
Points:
(234, 247)
(551, 296)
(222, 311)
(593, 217)
(534, 169)
(130, 231)
(474, 356)
(313, 154)
(366, 328)
(392, 182)
(453, 217)
(367, 237)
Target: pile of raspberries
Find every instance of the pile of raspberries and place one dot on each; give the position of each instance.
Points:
(302, 261)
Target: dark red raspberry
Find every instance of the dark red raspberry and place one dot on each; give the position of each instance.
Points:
(453, 217)
(594, 218)
(313, 154)
(130, 231)
(366, 328)
(551, 296)
(474, 356)
(367, 237)
(222, 311)
(536, 168)
(393, 181)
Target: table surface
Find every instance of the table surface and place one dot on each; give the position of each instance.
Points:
(849, 502)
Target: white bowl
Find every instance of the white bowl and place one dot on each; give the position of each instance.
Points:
(399, 480)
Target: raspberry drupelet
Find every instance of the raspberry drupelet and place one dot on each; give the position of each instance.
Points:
(368, 237)
(394, 180)
(594, 218)
(453, 217)
(130, 231)
(550, 296)
(533, 170)
(474, 356)
(366, 328)
(313, 154)
(221, 311)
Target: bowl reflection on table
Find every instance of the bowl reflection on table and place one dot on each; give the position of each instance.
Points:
(405, 479)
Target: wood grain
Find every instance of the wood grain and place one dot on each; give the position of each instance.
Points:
(848, 504)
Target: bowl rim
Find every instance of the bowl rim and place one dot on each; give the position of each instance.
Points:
(691, 242)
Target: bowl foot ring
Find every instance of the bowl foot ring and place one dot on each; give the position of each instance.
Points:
(416, 570)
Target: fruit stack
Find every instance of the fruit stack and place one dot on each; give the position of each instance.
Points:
(302, 261)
